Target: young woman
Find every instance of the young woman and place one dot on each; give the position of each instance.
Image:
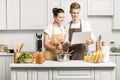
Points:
(78, 25)
(54, 35)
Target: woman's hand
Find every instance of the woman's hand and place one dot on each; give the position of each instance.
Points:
(62, 45)
(59, 46)
(62, 41)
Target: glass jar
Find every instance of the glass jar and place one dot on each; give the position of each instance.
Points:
(39, 58)
(114, 46)
(34, 55)
(5, 48)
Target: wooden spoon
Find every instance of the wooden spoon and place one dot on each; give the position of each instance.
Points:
(18, 48)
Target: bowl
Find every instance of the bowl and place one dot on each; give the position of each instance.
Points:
(28, 60)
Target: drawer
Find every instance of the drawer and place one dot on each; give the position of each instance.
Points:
(73, 73)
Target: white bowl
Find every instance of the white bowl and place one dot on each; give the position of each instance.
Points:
(28, 60)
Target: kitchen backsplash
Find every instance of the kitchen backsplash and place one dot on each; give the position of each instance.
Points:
(11, 38)
(100, 25)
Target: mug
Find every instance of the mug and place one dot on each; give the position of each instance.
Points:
(11, 51)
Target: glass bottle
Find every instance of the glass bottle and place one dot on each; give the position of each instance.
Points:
(39, 58)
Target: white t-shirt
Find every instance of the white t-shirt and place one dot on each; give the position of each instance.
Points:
(86, 27)
(57, 30)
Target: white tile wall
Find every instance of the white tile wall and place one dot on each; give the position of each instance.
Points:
(11, 38)
(100, 25)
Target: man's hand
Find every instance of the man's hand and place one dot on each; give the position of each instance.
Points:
(89, 41)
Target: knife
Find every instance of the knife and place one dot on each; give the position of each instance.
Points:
(99, 39)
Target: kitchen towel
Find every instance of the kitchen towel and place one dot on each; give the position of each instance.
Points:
(106, 51)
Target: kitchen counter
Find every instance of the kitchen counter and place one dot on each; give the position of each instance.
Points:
(114, 54)
(50, 69)
(71, 70)
(72, 63)
(6, 54)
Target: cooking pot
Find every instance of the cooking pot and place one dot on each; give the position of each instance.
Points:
(64, 56)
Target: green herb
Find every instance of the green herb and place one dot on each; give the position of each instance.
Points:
(24, 56)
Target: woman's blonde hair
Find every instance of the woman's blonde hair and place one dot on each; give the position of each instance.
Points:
(74, 5)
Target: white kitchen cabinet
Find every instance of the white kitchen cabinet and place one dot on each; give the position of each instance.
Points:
(65, 4)
(2, 68)
(5, 61)
(8, 60)
(100, 7)
(52, 4)
(113, 59)
(29, 74)
(104, 74)
(84, 74)
(73, 74)
(33, 14)
(116, 14)
(66, 73)
(118, 67)
(71, 70)
(13, 14)
(116, 59)
(2, 14)
(23, 14)
(9, 14)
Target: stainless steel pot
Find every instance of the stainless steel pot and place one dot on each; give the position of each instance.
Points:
(63, 57)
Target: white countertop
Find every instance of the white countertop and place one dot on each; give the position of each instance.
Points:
(6, 54)
(72, 63)
(114, 54)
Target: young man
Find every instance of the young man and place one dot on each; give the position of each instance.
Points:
(78, 25)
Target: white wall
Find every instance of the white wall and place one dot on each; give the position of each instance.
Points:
(11, 38)
(101, 25)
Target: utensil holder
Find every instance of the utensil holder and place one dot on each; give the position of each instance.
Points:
(16, 55)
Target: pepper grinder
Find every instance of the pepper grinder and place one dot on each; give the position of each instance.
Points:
(39, 42)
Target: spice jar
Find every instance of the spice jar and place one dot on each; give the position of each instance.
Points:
(5, 49)
(39, 58)
(34, 57)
